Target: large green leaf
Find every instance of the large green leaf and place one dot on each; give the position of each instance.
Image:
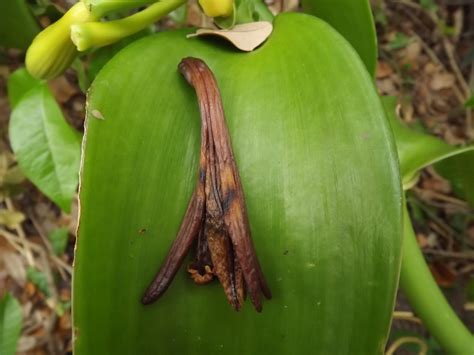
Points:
(17, 25)
(353, 19)
(46, 147)
(417, 150)
(319, 170)
(10, 324)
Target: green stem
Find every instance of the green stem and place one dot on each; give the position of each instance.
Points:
(99, 8)
(99, 34)
(427, 299)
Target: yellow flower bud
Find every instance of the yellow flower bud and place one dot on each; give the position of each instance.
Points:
(217, 8)
(52, 50)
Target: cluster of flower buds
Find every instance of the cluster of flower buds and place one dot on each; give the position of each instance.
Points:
(79, 29)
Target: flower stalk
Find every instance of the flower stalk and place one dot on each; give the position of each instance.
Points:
(99, 34)
(100, 8)
(52, 50)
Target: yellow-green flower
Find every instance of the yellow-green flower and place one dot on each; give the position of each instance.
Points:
(52, 51)
(217, 8)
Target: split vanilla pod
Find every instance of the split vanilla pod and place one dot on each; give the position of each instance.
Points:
(216, 217)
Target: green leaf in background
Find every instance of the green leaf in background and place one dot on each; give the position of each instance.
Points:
(10, 324)
(46, 147)
(320, 175)
(11, 219)
(17, 25)
(352, 19)
(58, 239)
(459, 170)
(416, 150)
(39, 279)
(19, 83)
(470, 102)
(399, 41)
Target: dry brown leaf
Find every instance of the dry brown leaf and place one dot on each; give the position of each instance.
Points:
(26, 343)
(443, 275)
(410, 54)
(386, 87)
(14, 265)
(442, 81)
(383, 70)
(245, 37)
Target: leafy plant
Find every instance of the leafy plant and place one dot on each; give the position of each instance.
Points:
(17, 25)
(316, 151)
(10, 324)
(46, 147)
(311, 213)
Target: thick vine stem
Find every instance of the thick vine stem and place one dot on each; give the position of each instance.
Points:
(427, 299)
(99, 34)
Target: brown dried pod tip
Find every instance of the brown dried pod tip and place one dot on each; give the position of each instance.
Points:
(216, 218)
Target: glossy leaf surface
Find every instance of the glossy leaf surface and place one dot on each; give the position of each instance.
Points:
(46, 147)
(318, 167)
(353, 19)
(10, 324)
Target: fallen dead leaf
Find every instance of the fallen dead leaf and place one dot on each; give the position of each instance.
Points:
(14, 265)
(383, 70)
(442, 81)
(442, 274)
(411, 54)
(26, 343)
(386, 87)
(245, 37)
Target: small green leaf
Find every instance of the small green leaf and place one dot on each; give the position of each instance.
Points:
(59, 238)
(429, 5)
(46, 147)
(10, 324)
(39, 279)
(17, 25)
(19, 83)
(416, 150)
(469, 102)
(459, 170)
(400, 41)
(179, 16)
(62, 307)
(11, 219)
